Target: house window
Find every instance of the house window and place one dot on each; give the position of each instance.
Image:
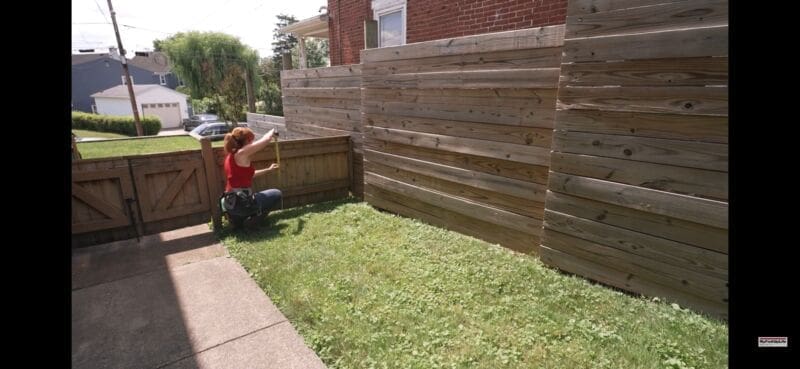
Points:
(162, 79)
(132, 81)
(391, 16)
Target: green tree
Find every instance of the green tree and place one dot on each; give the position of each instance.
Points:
(284, 42)
(270, 91)
(316, 53)
(213, 64)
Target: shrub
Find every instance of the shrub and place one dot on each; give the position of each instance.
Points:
(114, 124)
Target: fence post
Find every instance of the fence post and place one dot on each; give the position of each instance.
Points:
(213, 182)
(350, 164)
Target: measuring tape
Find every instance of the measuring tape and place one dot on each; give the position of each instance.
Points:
(278, 158)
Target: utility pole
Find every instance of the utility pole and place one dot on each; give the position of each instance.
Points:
(124, 61)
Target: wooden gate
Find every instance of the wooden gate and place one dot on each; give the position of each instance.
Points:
(122, 198)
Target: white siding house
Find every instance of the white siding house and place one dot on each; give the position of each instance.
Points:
(152, 100)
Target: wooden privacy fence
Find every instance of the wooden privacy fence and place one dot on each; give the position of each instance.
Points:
(125, 197)
(638, 193)
(327, 102)
(457, 132)
(262, 123)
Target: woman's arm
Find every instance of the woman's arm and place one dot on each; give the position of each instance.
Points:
(266, 170)
(257, 145)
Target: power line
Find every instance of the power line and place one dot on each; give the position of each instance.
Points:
(101, 11)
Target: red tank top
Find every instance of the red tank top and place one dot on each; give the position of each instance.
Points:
(237, 177)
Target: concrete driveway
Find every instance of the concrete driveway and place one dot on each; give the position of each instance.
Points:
(176, 300)
(172, 132)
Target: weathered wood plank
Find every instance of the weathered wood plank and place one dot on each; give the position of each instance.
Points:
(711, 238)
(504, 168)
(701, 155)
(682, 279)
(675, 100)
(340, 124)
(714, 264)
(459, 205)
(348, 70)
(532, 38)
(321, 82)
(700, 71)
(693, 209)
(627, 281)
(336, 103)
(329, 92)
(681, 43)
(490, 182)
(521, 153)
(579, 7)
(498, 78)
(509, 59)
(491, 132)
(517, 205)
(494, 97)
(683, 180)
(322, 113)
(541, 117)
(659, 17)
(437, 216)
(666, 126)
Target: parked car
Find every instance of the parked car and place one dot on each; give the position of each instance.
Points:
(215, 130)
(196, 120)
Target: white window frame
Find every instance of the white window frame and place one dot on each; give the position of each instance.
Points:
(162, 79)
(385, 7)
(123, 80)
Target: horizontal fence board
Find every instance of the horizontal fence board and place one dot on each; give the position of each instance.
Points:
(509, 59)
(325, 72)
(528, 116)
(504, 168)
(680, 43)
(714, 264)
(339, 124)
(522, 206)
(580, 7)
(432, 214)
(693, 209)
(657, 17)
(521, 153)
(704, 286)
(701, 155)
(696, 234)
(673, 100)
(322, 82)
(666, 126)
(687, 181)
(458, 205)
(325, 92)
(701, 71)
(492, 97)
(514, 78)
(532, 38)
(628, 281)
(491, 132)
(336, 103)
(490, 182)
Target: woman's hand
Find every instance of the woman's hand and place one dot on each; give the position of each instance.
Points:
(274, 166)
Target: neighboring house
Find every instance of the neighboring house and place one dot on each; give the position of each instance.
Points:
(96, 72)
(402, 22)
(152, 100)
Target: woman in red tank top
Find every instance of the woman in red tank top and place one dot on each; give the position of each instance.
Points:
(240, 146)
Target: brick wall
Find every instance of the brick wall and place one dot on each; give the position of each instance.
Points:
(346, 29)
(432, 20)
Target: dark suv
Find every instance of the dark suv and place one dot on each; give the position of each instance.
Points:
(216, 131)
(196, 120)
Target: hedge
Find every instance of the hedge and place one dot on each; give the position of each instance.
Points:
(114, 124)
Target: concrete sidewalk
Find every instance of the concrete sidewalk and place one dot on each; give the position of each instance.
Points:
(176, 300)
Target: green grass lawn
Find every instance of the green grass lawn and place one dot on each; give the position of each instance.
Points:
(85, 133)
(367, 289)
(103, 149)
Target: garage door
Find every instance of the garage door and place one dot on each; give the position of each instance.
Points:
(169, 113)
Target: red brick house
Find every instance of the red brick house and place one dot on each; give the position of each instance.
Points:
(407, 21)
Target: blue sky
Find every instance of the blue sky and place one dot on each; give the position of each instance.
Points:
(142, 21)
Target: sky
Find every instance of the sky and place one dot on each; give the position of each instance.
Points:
(142, 21)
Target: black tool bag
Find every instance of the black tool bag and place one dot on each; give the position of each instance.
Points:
(240, 203)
